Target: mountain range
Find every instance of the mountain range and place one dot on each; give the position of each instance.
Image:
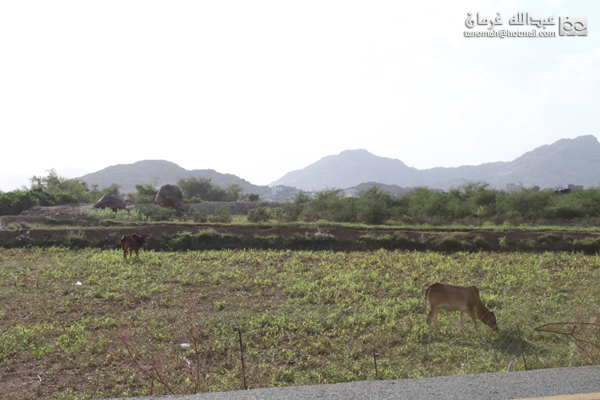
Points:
(161, 172)
(566, 161)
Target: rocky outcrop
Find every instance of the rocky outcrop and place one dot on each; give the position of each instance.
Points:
(170, 196)
(110, 201)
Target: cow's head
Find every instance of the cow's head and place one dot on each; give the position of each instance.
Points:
(490, 320)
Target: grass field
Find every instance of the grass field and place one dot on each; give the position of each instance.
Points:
(304, 318)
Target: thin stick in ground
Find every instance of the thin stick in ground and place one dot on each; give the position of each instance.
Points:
(242, 357)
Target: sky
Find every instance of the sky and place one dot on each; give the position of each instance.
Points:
(262, 88)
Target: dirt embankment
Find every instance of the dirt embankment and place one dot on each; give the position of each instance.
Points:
(24, 229)
(334, 238)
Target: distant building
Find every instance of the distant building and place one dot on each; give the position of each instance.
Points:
(569, 189)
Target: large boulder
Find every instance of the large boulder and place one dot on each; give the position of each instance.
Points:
(110, 201)
(170, 196)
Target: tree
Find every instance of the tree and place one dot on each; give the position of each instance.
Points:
(195, 187)
(203, 189)
(328, 204)
(233, 192)
(13, 203)
(145, 193)
(375, 206)
(64, 187)
(54, 184)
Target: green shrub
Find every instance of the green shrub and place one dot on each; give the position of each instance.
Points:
(222, 214)
(193, 200)
(370, 241)
(108, 242)
(548, 238)
(76, 241)
(260, 214)
(119, 215)
(155, 213)
(480, 243)
(145, 193)
(375, 206)
(565, 211)
(13, 203)
(522, 245)
(182, 241)
(450, 243)
(294, 208)
(200, 216)
(587, 245)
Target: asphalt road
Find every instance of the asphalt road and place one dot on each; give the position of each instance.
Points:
(489, 386)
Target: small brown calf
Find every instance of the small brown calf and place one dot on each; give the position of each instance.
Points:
(133, 243)
(458, 298)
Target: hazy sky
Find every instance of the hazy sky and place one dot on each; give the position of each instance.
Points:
(261, 88)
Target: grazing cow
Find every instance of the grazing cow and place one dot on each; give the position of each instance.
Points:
(458, 298)
(133, 242)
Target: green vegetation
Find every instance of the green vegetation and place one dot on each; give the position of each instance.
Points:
(144, 194)
(51, 190)
(305, 318)
(155, 213)
(12, 203)
(472, 204)
(201, 189)
(119, 215)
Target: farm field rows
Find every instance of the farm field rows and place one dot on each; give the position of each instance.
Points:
(84, 324)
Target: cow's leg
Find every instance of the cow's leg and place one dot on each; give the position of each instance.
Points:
(432, 317)
(124, 253)
(137, 254)
(472, 314)
(462, 320)
(435, 319)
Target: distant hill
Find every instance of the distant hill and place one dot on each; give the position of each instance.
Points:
(161, 172)
(350, 168)
(566, 161)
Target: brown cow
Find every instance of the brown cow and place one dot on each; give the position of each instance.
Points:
(133, 243)
(458, 298)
